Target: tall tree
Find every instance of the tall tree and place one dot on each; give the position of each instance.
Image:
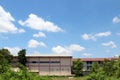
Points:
(5, 60)
(95, 67)
(78, 67)
(117, 68)
(21, 57)
(108, 67)
(6, 54)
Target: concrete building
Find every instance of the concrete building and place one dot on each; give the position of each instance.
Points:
(48, 65)
(87, 63)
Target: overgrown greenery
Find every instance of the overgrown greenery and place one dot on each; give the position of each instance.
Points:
(7, 72)
(109, 70)
(78, 67)
(4, 53)
(21, 57)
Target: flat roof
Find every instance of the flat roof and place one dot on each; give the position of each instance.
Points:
(32, 56)
(94, 59)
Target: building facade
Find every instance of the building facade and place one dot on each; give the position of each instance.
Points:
(49, 65)
(87, 63)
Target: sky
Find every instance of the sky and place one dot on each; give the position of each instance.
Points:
(81, 28)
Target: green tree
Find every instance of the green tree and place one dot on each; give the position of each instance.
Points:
(21, 57)
(117, 68)
(5, 60)
(6, 54)
(95, 67)
(4, 66)
(108, 67)
(78, 67)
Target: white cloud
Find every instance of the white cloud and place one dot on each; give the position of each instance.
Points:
(34, 44)
(86, 54)
(116, 56)
(116, 19)
(110, 44)
(88, 37)
(60, 50)
(75, 47)
(42, 44)
(6, 22)
(95, 36)
(103, 34)
(39, 23)
(40, 34)
(21, 31)
(13, 50)
(68, 50)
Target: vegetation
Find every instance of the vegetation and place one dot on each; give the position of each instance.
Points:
(78, 67)
(7, 73)
(109, 70)
(95, 67)
(4, 53)
(21, 57)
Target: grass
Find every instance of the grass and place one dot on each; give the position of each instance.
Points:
(68, 78)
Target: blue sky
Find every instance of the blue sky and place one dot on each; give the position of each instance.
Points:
(81, 28)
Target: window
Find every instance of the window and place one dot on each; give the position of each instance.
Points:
(34, 62)
(43, 61)
(54, 61)
(88, 67)
(89, 62)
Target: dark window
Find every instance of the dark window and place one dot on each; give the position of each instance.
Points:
(54, 61)
(34, 62)
(89, 62)
(43, 61)
(88, 67)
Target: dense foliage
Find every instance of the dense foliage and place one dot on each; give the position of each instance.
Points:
(109, 70)
(7, 72)
(78, 67)
(21, 57)
(4, 53)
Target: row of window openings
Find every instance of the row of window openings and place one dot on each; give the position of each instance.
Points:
(43, 62)
(90, 62)
(59, 69)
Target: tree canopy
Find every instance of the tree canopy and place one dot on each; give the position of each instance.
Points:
(109, 70)
(95, 67)
(6, 55)
(21, 57)
(78, 67)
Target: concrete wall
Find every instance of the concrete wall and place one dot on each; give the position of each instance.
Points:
(56, 65)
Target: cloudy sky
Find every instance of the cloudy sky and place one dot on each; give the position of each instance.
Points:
(81, 28)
